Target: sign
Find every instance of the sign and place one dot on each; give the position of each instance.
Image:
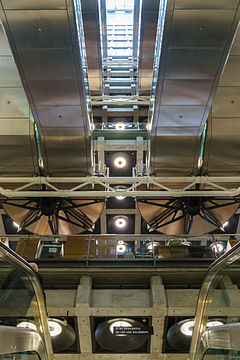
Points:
(133, 330)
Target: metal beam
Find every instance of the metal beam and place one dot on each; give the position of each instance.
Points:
(106, 188)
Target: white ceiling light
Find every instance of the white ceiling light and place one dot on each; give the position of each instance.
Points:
(54, 328)
(119, 323)
(27, 324)
(120, 188)
(120, 222)
(15, 224)
(217, 248)
(121, 249)
(187, 327)
(120, 162)
(120, 126)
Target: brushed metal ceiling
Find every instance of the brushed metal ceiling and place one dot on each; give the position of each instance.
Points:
(148, 30)
(17, 142)
(91, 23)
(197, 37)
(223, 144)
(44, 38)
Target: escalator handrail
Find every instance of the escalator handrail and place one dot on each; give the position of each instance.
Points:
(20, 263)
(213, 270)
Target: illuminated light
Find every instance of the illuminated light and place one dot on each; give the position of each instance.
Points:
(119, 323)
(187, 327)
(120, 222)
(120, 242)
(151, 245)
(120, 126)
(16, 225)
(120, 197)
(225, 224)
(120, 162)
(27, 325)
(213, 323)
(54, 328)
(217, 248)
(121, 249)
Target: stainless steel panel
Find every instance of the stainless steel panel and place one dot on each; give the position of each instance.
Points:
(198, 28)
(180, 116)
(209, 4)
(40, 28)
(186, 92)
(13, 102)
(17, 148)
(46, 64)
(55, 92)
(226, 102)
(30, 4)
(73, 155)
(222, 147)
(4, 46)
(8, 70)
(192, 63)
(59, 116)
(175, 155)
(231, 74)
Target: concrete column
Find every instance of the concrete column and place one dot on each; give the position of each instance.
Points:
(83, 313)
(159, 304)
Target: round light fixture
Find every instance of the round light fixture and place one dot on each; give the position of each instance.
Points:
(213, 323)
(120, 162)
(217, 248)
(120, 188)
(120, 126)
(119, 323)
(120, 222)
(121, 249)
(187, 328)
(28, 325)
(54, 328)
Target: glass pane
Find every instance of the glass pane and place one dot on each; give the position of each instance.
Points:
(214, 354)
(30, 355)
(17, 298)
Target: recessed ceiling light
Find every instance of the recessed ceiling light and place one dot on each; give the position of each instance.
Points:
(225, 224)
(54, 327)
(119, 323)
(120, 222)
(120, 126)
(120, 162)
(121, 249)
(27, 324)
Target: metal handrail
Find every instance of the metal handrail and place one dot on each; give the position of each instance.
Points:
(18, 262)
(211, 277)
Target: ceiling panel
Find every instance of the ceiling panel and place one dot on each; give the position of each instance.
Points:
(30, 4)
(192, 63)
(59, 116)
(40, 28)
(186, 92)
(199, 28)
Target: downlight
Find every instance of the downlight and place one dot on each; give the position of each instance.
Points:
(120, 162)
(120, 222)
(27, 325)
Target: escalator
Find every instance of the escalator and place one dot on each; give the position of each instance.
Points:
(22, 305)
(218, 302)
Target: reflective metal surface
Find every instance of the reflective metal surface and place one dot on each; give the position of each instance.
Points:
(17, 142)
(16, 340)
(48, 45)
(222, 143)
(193, 43)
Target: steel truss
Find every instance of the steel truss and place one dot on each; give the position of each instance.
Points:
(105, 186)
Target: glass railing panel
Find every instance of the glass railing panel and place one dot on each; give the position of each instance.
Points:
(22, 301)
(220, 354)
(219, 298)
(26, 355)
